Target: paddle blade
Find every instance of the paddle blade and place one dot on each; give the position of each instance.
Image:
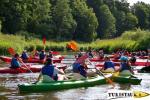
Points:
(44, 40)
(11, 51)
(73, 45)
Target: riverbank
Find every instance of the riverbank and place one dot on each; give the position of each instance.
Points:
(130, 40)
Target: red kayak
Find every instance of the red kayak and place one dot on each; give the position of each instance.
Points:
(32, 60)
(132, 64)
(33, 68)
(98, 59)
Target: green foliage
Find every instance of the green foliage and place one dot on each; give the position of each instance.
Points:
(63, 20)
(86, 19)
(0, 25)
(107, 22)
(142, 10)
(130, 22)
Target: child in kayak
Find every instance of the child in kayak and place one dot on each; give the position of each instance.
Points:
(15, 61)
(50, 55)
(108, 65)
(24, 55)
(125, 67)
(79, 70)
(49, 72)
(132, 59)
(42, 55)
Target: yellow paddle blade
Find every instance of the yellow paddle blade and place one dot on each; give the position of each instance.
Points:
(139, 94)
(116, 74)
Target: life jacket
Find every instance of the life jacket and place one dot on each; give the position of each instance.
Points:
(24, 56)
(49, 71)
(77, 68)
(108, 64)
(42, 56)
(15, 63)
(125, 66)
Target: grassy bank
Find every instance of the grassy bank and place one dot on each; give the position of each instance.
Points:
(130, 40)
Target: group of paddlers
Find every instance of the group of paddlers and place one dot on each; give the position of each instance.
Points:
(79, 68)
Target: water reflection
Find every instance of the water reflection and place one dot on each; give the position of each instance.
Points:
(9, 82)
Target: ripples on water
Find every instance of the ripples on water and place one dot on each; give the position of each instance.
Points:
(9, 91)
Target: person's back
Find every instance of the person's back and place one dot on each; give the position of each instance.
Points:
(108, 65)
(24, 55)
(125, 68)
(79, 71)
(42, 55)
(14, 62)
(49, 72)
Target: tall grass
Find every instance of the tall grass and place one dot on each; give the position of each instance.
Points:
(130, 40)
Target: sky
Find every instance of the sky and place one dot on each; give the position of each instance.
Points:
(134, 1)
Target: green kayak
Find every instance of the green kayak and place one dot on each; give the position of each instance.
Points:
(60, 85)
(127, 79)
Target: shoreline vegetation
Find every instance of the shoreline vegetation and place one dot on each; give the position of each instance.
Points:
(130, 40)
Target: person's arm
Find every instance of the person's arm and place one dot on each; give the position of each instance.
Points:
(60, 71)
(38, 79)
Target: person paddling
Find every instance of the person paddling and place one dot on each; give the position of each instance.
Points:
(24, 55)
(49, 72)
(108, 65)
(42, 55)
(132, 59)
(125, 67)
(79, 69)
(50, 55)
(15, 62)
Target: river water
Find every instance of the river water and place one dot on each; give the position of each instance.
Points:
(9, 90)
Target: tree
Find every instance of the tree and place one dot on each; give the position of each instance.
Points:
(86, 21)
(130, 22)
(0, 25)
(39, 16)
(141, 11)
(63, 20)
(107, 26)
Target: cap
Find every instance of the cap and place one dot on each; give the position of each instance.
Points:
(123, 58)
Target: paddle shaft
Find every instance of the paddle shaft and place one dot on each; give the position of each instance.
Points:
(12, 52)
(108, 79)
(25, 65)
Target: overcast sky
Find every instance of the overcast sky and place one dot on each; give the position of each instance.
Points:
(134, 1)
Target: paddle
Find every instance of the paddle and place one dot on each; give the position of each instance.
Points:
(108, 79)
(12, 52)
(44, 42)
(73, 45)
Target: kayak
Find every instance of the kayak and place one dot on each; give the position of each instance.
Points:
(32, 60)
(101, 60)
(132, 64)
(33, 68)
(126, 79)
(61, 85)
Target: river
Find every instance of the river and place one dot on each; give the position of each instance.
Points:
(9, 90)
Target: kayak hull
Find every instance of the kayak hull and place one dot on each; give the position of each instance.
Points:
(32, 60)
(126, 79)
(32, 68)
(61, 85)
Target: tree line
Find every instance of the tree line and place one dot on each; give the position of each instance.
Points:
(82, 20)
